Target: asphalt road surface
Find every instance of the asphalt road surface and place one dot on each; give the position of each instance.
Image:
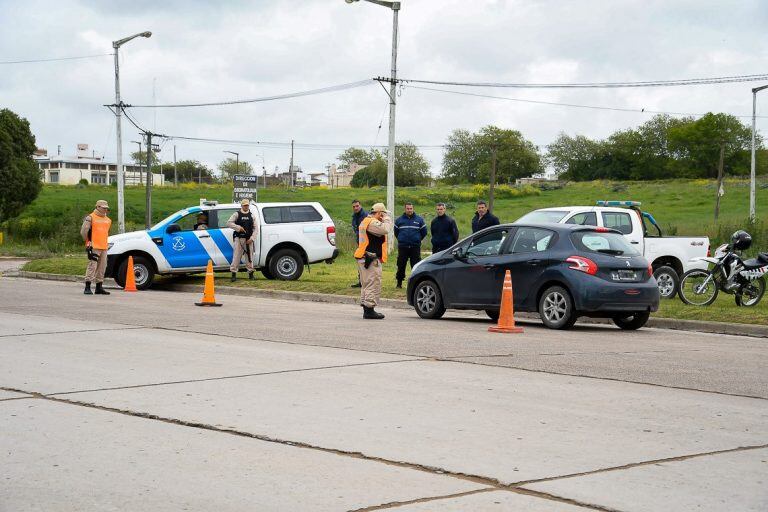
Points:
(145, 402)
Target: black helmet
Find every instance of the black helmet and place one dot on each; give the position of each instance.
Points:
(741, 240)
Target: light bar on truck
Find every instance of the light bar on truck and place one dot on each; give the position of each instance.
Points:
(619, 203)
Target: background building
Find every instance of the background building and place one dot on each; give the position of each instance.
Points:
(69, 170)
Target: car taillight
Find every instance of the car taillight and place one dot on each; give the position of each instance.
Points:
(582, 264)
(330, 233)
(650, 270)
(602, 230)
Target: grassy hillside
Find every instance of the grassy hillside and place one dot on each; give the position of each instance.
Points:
(50, 225)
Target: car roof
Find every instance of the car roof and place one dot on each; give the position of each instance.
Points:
(570, 209)
(555, 226)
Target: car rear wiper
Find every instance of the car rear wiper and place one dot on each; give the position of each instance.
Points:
(615, 252)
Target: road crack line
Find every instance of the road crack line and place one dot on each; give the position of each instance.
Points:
(71, 332)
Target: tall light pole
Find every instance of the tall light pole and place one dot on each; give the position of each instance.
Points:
(395, 6)
(118, 114)
(752, 216)
(237, 160)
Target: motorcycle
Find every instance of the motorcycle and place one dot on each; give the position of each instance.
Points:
(744, 279)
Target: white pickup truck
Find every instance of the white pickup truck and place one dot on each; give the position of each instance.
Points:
(670, 256)
(291, 235)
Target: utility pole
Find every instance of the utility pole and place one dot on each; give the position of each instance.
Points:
(719, 179)
(290, 168)
(148, 218)
(175, 176)
(493, 178)
(752, 216)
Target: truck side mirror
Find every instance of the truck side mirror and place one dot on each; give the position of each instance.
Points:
(458, 253)
(173, 228)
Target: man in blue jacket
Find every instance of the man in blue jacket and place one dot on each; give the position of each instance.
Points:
(444, 230)
(410, 230)
(358, 214)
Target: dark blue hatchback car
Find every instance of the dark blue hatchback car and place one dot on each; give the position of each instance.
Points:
(562, 271)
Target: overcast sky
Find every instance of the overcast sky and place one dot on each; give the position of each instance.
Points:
(201, 51)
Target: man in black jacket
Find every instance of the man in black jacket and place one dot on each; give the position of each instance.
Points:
(483, 218)
(358, 214)
(444, 230)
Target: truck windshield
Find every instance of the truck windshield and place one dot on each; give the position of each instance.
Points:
(536, 216)
(606, 243)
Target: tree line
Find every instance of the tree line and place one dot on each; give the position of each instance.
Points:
(664, 147)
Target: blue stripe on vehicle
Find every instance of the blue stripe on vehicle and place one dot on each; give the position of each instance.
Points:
(223, 244)
(191, 245)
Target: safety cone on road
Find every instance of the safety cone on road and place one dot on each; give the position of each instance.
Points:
(506, 321)
(130, 277)
(208, 298)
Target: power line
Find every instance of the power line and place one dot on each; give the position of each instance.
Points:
(56, 59)
(322, 90)
(593, 85)
(574, 105)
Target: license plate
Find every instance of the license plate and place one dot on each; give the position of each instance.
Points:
(624, 275)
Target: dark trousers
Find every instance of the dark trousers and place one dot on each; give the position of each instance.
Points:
(405, 254)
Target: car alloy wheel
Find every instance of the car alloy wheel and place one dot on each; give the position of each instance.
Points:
(427, 300)
(556, 308)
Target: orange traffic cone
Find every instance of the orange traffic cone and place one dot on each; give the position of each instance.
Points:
(506, 312)
(208, 299)
(130, 277)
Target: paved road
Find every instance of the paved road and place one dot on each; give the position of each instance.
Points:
(143, 401)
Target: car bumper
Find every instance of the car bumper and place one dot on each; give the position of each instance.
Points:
(333, 256)
(594, 295)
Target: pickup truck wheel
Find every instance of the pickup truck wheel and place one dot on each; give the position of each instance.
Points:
(668, 281)
(493, 314)
(266, 273)
(286, 265)
(633, 321)
(143, 271)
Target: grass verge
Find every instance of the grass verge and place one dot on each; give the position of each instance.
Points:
(337, 278)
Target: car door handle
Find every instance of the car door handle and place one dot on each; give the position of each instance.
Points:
(489, 265)
(205, 236)
(635, 243)
(535, 262)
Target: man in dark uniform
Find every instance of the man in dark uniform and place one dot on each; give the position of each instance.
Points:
(246, 229)
(358, 214)
(483, 217)
(445, 233)
(410, 230)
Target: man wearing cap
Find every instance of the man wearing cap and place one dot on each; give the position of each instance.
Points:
(371, 253)
(245, 232)
(95, 233)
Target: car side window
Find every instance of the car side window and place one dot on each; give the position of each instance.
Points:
(488, 244)
(222, 216)
(584, 219)
(531, 240)
(618, 221)
(187, 222)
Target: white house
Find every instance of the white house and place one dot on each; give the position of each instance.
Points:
(69, 170)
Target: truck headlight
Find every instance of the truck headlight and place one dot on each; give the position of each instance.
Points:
(109, 245)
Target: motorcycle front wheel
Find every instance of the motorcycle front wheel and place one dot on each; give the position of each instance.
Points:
(751, 293)
(698, 288)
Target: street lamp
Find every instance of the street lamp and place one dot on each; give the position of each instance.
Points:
(752, 216)
(118, 113)
(237, 159)
(395, 6)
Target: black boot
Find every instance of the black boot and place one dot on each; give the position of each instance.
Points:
(356, 285)
(371, 314)
(399, 284)
(250, 276)
(87, 290)
(234, 277)
(100, 290)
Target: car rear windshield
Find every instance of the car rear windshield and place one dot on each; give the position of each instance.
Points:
(605, 243)
(536, 216)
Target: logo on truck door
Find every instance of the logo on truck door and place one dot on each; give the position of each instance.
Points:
(178, 243)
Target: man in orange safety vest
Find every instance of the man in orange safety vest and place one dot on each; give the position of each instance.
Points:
(95, 232)
(370, 254)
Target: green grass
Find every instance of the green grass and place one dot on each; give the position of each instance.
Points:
(336, 278)
(682, 207)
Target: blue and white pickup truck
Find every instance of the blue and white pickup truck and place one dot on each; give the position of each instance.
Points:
(670, 256)
(291, 235)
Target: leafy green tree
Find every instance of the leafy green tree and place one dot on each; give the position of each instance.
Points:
(411, 168)
(358, 156)
(574, 157)
(229, 167)
(19, 176)
(188, 171)
(467, 157)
